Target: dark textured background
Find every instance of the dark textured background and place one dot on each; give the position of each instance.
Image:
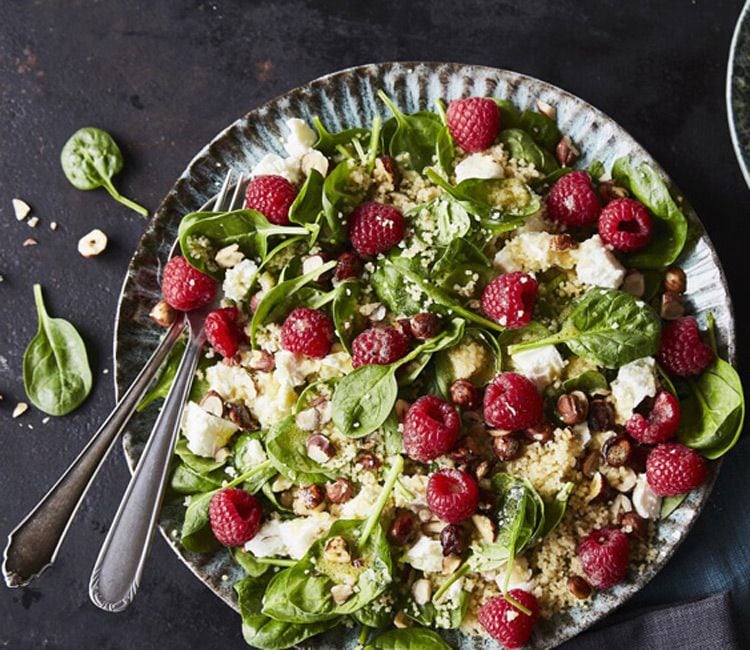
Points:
(164, 80)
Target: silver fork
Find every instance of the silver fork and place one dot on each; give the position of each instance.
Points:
(118, 569)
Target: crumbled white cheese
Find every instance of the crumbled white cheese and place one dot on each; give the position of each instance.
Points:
(274, 165)
(301, 138)
(635, 381)
(478, 165)
(361, 505)
(520, 575)
(233, 383)
(542, 365)
(239, 279)
(597, 266)
(532, 251)
(314, 159)
(417, 485)
(276, 398)
(267, 541)
(292, 538)
(205, 433)
(426, 555)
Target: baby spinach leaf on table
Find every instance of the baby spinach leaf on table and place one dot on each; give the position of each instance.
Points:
(364, 399)
(90, 158)
(279, 298)
(670, 224)
(302, 593)
(261, 631)
(344, 310)
(341, 194)
(411, 638)
(606, 326)
(521, 146)
(56, 373)
(712, 416)
(249, 229)
(285, 446)
(328, 142)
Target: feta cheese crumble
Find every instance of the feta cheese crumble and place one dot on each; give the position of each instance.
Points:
(635, 381)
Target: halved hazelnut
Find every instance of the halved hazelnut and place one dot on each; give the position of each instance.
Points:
(465, 394)
(598, 489)
(340, 491)
(563, 242)
(229, 256)
(645, 501)
(401, 620)
(546, 109)
(337, 550)
(425, 325)
(240, 415)
(621, 505)
(573, 408)
(506, 447)
(162, 313)
(634, 283)
(579, 587)
(213, 404)
(485, 527)
(450, 564)
(591, 464)
(541, 433)
(617, 451)
(93, 243)
(320, 448)
(675, 280)
(421, 590)
(309, 498)
(308, 420)
(566, 152)
(672, 306)
(402, 530)
(632, 524)
(341, 593)
(368, 461)
(625, 481)
(609, 191)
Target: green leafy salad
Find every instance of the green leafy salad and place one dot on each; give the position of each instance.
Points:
(452, 387)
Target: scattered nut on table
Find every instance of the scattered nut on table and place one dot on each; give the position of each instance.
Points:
(21, 209)
(93, 243)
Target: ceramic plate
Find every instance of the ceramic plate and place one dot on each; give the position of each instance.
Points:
(346, 99)
(738, 91)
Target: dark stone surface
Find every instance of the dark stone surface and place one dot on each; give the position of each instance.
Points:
(164, 78)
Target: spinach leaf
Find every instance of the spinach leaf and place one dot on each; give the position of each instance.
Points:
(670, 504)
(302, 593)
(328, 142)
(606, 326)
(365, 398)
(457, 265)
(201, 234)
(521, 146)
(308, 204)
(164, 379)
(554, 510)
(542, 129)
(446, 615)
(588, 382)
(185, 480)
(341, 194)
(249, 563)
(90, 158)
(714, 413)
(390, 287)
(418, 135)
(670, 224)
(410, 638)
(261, 631)
(285, 445)
(56, 373)
(198, 464)
(280, 298)
(451, 218)
(344, 310)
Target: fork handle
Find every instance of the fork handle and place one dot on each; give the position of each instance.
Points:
(35, 542)
(117, 572)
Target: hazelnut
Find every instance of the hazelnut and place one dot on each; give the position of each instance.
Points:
(341, 593)
(563, 242)
(541, 433)
(617, 451)
(401, 620)
(348, 265)
(162, 313)
(621, 505)
(261, 361)
(336, 550)
(465, 394)
(402, 530)
(320, 448)
(482, 469)
(450, 564)
(453, 540)
(601, 415)
(340, 491)
(598, 489)
(632, 524)
(591, 464)
(675, 280)
(425, 325)
(573, 408)
(368, 461)
(255, 301)
(213, 404)
(402, 408)
(625, 480)
(308, 420)
(403, 325)
(579, 587)
(309, 498)
(229, 256)
(421, 590)
(93, 243)
(672, 306)
(506, 447)
(566, 152)
(546, 109)
(240, 415)
(634, 284)
(391, 168)
(424, 515)
(485, 527)
(609, 191)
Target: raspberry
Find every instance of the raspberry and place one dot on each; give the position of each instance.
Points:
(235, 516)
(509, 299)
(375, 227)
(272, 196)
(682, 352)
(184, 287)
(512, 402)
(453, 495)
(661, 423)
(223, 332)
(379, 346)
(473, 122)
(625, 224)
(572, 201)
(604, 555)
(349, 265)
(431, 428)
(506, 623)
(672, 469)
(307, 331)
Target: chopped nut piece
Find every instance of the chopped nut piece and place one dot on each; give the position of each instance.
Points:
(33, 222)
(546, 109)
(465, 394)
(29, 241)
(341, 593)
(425, 325)
(632, 524)
(280, 483)
(213, 404)
(368, 461)
(591, 464)
(421, 590)
(634, 283)
(402, 529)
(93, 243)
(645, 501)
(563, 242)
(20, 409)
(240, 415)
(21, 209)
(401, 620)
(336, 550)
(573, 408)
(601, 415)
(319, 447)
(163, 314)
(309, 498)
(579, 587)
(625, 481)
(675, 280)
(308, 420)
(506, 447)
(672, 306)
(261, 361)
(566, 152)
(598, 489)
(229, 256)
(450, 564)
(621, 505)
(424, 515)
(617, 451)
(541, 433)
(482, 469)
(402, 407)
(53, 225)
(609, 191)
(485, 527)
(340, 491)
